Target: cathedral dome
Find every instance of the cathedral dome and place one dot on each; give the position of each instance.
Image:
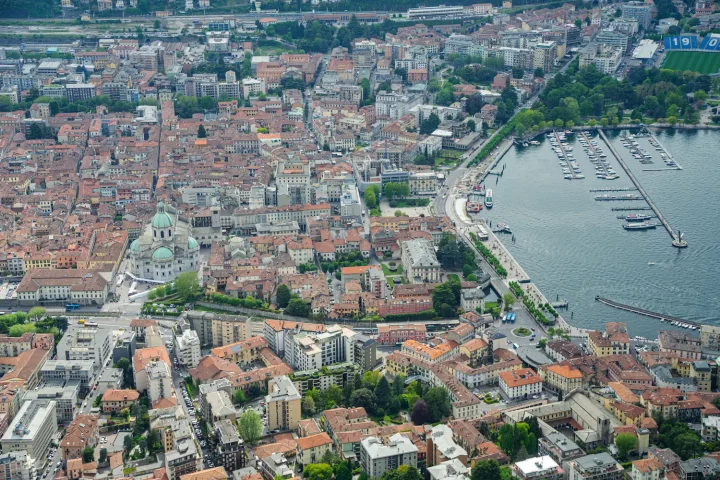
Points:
(162, 253)
(161, 218)
(192, 243)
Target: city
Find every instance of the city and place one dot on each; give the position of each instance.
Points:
(279, 240)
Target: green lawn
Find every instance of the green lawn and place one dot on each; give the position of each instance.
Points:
(700, 62)
(390, 273)
(452, 276)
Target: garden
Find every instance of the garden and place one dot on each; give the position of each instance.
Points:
(521, 332)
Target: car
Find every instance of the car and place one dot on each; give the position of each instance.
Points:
(690, 425)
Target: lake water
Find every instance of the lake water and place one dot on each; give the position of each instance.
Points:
(575, 247)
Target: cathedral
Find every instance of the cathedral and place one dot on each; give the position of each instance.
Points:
(165, 249)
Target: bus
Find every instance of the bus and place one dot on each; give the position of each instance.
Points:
(91, 324)
(72, 306)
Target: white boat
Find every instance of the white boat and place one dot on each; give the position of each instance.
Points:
(568, 177)
(534, 142)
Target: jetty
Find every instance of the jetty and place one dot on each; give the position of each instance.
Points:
(647, 313)
(621, 217)
(559, 304)
(629, 209)
(573, 174)
(626, 189)
(656, 143)
(677, 240)
(614, 198)
(594, 154)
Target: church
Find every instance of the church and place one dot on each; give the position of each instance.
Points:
(165, 249)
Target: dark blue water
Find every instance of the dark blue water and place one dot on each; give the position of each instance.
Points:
(575, 247)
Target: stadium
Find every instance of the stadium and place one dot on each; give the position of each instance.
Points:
(684, 52)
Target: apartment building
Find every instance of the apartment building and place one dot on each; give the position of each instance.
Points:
(230, 447)
(561, 378)
(82, 343)
(310, 449)
(397, 334)
(82, 433)
(544, 468)
(187, 348)
(613, 341)
(377, 457)
(283, 404)
(600, 466)
(520, 384)
(64, 370)
(32, 430)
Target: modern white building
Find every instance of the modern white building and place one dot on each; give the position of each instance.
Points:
(32, 430)
(605, 58)
(82, 343)
(165, 249)
(15, 466)
(435, 12)
(377, 458)
(537, 468)
(187, 348)
(159, 381)
(305, 352)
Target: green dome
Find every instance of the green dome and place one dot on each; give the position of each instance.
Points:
(162, 253)
(161, 218)
(192, 243)
(135, 246)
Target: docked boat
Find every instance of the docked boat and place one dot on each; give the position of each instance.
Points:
(504, 228)
(637, 217)
(488, 199)
(639, 226)
(534, 142)
(568, 177)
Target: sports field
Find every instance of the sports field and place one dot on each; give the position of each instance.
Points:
(701, 62)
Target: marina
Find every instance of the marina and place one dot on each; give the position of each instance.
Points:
(629, 209)
(677, 238)
(570, 168)
(626, 189)
(594, 152)
(612, 198)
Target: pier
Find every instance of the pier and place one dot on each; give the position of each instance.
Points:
(647, 313)
(622, 217)
(626, 189)
(656, 143)
(677, 240)
(573, 175)
(600, 164)
(613, 198)
(559, 304)
(629, 209)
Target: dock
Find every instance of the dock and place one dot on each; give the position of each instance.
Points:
(621, 217)
(652, 138)
(573, 175)
(626, 189)
(596, 160)
(646, 313)
(629, 209)
(666, 169)
(677, 240)
(613, 198)
(559, 304)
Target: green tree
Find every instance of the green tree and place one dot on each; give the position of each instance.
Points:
(444, 300)
(283, 295)
(370, 379)
(539, 72)
(88, 455)
(308, 406)
(201, 132)
(18, 330)
(239, 397)
(486, 470)
(578, 23)
(156, 24)
(103, 455)
(625, 442)
(187, 286)
(54, 108)
(250, 427)
(333, 395)
(508, 300)
(364, 398)
(430, 124)
(438, 401)
(342, 472)
(471, 125)
(370, 199)
(318, 471)
(36, 314)
(297, 308)
(383, 394)
(398, 385)
(128, 444)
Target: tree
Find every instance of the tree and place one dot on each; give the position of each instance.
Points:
(444, 300)
(283, 295)
(539, 72)
(19, 330)
(370, 199)
(578, 23)
(239, 397)
(187, 286)
(156, 24)
(509, 300)
(201, 132)
(382, 392)
(329, 458)
(88, 455)
(438, 401)
(342, 472)
(364, 398)
(308, 406)
(250, 427)
(297, 308)
(625, 442)
(54, 108)
(370, 379)
(420, 414)
(128, 443)
(318, 471)
(36, 314)
(333, 396)
(486, 470)
(124, 364)
(103, 455)
(471, 125)
(430, 124)
(398, 385)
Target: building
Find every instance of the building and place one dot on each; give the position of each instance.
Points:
(230, 452)
(67, 370)
(165, 249)
(32, 430)
(537, 468)
(187, 348)
(710, 337)
(181, 452)
(442, 448)
(65, 394)
(605, 58)
(218, 406)
(648, 469)
(613, 38)
(282, 404)
(419, 261)
(377, 458)
(559, 447)
(116, 400)
(561, 378)
(82, 433)
(397, 334)
(85, 287)
(544, 55)
(435, 12)
(639, 11)
(613, 341)
(684, 344)
(520, 384)
(80, 91)
(81, 343)
(310, 449)
(15, 466)
(151, 368)
(600, 466)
